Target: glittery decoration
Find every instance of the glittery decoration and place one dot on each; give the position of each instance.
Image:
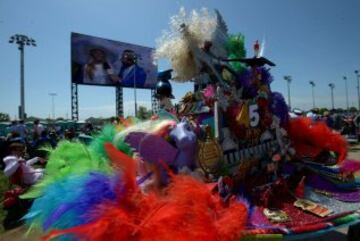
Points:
(325, 187)
(336, 205)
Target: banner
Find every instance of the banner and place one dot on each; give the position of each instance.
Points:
(98, 61)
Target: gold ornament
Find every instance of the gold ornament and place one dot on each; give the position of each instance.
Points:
(245, 168)
(243, 117)
(210, 153)
(312, 207)
(276, 215)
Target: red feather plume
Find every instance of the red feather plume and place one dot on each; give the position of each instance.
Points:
(310, 138)
(185, 210)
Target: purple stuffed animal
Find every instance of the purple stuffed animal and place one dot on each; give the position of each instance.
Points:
(185, 140)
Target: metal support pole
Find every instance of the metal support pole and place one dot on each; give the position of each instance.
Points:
(53, 104)
(22, 83)
(313, 96)
(21, 41)
(119, 101)
(358, 88)
(154, 102)
(74, 102)
(289, 98)
(288, 80)
(312, 83)
(347, 94)
(358, 92)
(332, 86)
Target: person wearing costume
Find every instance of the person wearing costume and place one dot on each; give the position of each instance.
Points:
(163, 91)
(21, 170)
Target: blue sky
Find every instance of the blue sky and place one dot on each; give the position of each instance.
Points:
(310, 40)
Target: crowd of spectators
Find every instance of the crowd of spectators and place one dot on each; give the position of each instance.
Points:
(40, 135)
(346, 123)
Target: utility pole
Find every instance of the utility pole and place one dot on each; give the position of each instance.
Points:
(22, 41)
(53, 104)
(332, 86)
(312, 83)
(288, 80)
(358, 87)
(347, 94)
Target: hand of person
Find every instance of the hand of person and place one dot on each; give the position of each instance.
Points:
(114, 78)
(42, 160)
(21, 160)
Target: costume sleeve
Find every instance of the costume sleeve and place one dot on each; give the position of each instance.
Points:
(32, 161)
(12, 164)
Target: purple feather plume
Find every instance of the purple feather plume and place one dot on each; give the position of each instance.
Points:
(279, 108)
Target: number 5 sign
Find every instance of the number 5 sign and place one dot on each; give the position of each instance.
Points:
(254, 115)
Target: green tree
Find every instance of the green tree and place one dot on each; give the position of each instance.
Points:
(340, 110)
(143, 113)
(323, 110)
(4, 117)
(353, 109)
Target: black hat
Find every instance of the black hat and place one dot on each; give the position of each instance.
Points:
(252, 62)
(256, 62)
(163, 87)
(165, 75)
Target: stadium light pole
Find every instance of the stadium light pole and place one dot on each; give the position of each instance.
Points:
(312, 83)
(22, 41)
(346, 93)
(358, 87)
(332, 86)
(288, 80)
(53, 104)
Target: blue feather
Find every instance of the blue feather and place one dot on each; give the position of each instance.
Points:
(64, 203)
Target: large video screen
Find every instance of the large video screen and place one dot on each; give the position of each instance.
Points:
(98, 61)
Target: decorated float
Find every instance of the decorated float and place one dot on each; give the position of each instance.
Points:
(226, 163)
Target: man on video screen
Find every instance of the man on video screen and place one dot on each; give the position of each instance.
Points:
(130, 72)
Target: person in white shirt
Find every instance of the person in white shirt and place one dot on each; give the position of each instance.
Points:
(98, 70)
(38, 129)
(14, 161)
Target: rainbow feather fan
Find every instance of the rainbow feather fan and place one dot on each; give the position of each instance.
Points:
(68, 159)
(66, 203)
(100, 206)
(77, 159)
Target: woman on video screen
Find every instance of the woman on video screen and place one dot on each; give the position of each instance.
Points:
(98, 70)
